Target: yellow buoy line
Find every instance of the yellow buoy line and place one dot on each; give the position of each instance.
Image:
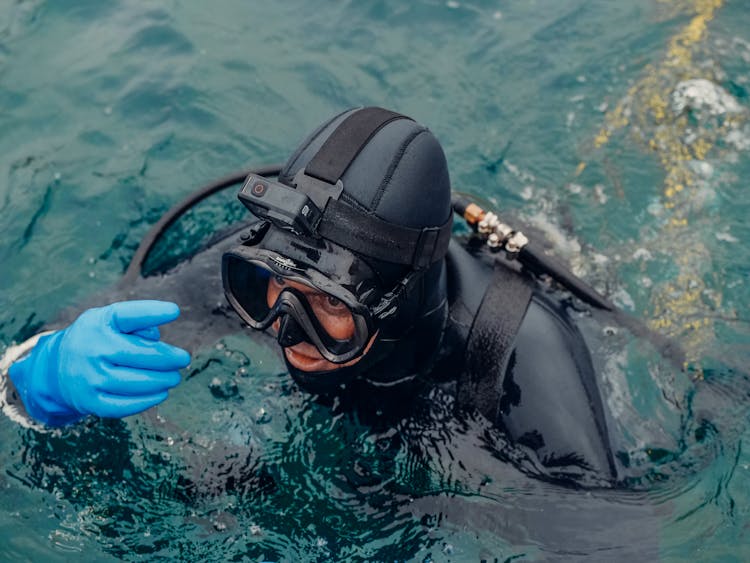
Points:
(677, 111)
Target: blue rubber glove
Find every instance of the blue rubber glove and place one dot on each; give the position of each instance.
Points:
(109, 362)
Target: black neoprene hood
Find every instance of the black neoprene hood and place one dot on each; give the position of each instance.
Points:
(400, 176)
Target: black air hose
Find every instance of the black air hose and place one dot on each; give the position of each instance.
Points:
(166, 220)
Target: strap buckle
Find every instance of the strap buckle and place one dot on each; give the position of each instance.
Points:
(317, 190)
(425, 248)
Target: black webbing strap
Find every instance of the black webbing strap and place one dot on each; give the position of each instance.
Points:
(491, 341)
(353, 229)
(345, 143)
(371, 236)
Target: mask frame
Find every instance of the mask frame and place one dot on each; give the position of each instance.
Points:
(243, 265)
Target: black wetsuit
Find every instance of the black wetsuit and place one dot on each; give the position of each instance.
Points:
(549, 403)
(546, 398)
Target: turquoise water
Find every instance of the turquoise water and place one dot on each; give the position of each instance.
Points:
(565, 113)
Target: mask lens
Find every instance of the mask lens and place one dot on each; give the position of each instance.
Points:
(332, 314)
(262, 295)
(248, 285)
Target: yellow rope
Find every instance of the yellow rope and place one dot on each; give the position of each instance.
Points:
(681, 307)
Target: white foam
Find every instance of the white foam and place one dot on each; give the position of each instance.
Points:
(623, 299)
(601, 197)
(740, 140)
(726, 237)
(700, 94)
(642, 254)
(702, 168)
(560, 240)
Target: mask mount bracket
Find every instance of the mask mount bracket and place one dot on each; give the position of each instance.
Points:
(317, 190)
(285, 207)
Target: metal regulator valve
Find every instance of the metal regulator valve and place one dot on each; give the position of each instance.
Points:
(500, 236)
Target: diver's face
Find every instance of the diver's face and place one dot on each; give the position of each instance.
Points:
(332, 314)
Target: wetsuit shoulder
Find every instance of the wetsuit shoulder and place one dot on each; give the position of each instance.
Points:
(551, 401)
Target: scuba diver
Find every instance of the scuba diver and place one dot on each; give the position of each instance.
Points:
(350, 263)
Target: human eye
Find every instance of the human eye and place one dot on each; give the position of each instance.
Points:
(329, 304)
(334, 303)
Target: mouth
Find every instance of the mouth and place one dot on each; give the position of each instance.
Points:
(306, 359)
(304, 356)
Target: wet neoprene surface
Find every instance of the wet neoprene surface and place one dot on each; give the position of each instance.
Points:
(550, 401)
(550, 404)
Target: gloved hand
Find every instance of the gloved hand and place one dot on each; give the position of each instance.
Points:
(109, 362)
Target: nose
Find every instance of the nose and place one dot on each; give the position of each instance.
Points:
(290, 333)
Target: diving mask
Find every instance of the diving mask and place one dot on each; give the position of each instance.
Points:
(337, 312)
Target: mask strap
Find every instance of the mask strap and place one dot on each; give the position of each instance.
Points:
(347, 141)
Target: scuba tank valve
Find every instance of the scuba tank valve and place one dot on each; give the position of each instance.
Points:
(501, 236)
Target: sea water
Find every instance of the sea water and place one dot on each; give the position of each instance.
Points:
(620, 131)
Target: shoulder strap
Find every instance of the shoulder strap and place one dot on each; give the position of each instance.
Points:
(491, 339)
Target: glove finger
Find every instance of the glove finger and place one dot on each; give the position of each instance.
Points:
(150, 333)
(136, 382)
(135, 352)
(117, 406)
(129, 316)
